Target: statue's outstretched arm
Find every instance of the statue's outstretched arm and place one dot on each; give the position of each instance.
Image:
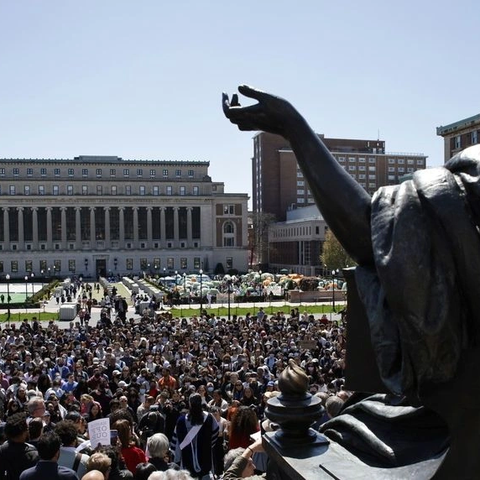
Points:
(344, 204)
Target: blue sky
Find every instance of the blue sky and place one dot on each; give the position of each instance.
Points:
(143, 79)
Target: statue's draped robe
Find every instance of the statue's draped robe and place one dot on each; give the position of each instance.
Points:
(423, 306)
(421, 297)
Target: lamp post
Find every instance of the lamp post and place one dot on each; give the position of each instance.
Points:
(86, 264)
(7, 277)
(115, 263)
(184, 281)
(229, 291)
(201, 293)
(26, 291)
(32, 276)
(334, 273)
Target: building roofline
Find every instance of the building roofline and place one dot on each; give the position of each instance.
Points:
(466, 122)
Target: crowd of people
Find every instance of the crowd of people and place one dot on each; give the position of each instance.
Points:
(183, 395)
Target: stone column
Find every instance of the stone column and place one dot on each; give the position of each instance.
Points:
(6, 228)
(107, 227)
(135, 226)
(163, 231)
(93, 242)
(189, 228)
(176, 230)
(121, 221)
(78, 228)
(21, 234)
(149, 228)
(63, 213)
(49, 228)
(35, 228)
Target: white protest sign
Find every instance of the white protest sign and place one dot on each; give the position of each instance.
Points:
(99, 432)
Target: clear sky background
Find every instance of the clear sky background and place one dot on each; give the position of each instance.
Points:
(142, 79)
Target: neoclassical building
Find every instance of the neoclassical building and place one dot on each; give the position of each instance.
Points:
(98, 215)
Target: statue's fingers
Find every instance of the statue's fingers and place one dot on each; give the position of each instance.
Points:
(225, 104)
(234, 102)
(250, 92)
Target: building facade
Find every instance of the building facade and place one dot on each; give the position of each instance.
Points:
(459, 135)
(97, 215)
(278, 184)
(296, 244)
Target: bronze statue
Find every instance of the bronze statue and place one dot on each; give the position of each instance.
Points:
(417, 245)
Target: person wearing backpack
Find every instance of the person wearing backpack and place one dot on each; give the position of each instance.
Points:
(152, 422)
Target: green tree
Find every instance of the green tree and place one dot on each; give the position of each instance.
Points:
(334, 255)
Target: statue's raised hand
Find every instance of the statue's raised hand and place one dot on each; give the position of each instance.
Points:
(271, 114)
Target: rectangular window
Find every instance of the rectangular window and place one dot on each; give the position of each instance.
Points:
(474, 137)
(84, 172)
(126, 172)
(141, 190)
(401, 161)
(228, 209)
(69, 189)
(391, 169)
(351, 159)
(371, 159)
(26, 189)
(165, 173)
(84, 189)
(178, 173)
(170, 263)
(113, 172)
(391, 177)
(14, 266)
(410, 161)
(457, 141)
(401, 169)
(372, 185)
(16, 172)
(55, 189)
(300, 183)
(391, 160)
(361, 160)
(300, 200)
(113, 190)
(153, 173)
(41, 189)
(12, 189)
(191, 173)
(361, 176)
(352, 168)
(341, 159)
(420, 162)
(56, 172)
(128, 190)
(169, 190)
(156, 190)
(29, 172)
(196, 190)
(372, 177)
(361, 168)
(196, 263)
(410, 169)
(139, 172)
(143, 264)
(183, 191)
(43, 172)
(372, 169)
(300, 192)
(71, 172)
(2, 172)
(71, 265)
(98, 172)
(129, 263)
(99, 190)
(183, 263)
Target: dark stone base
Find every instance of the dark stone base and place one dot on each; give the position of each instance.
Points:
(322, 461)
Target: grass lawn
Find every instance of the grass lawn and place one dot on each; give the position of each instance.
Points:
(18, 316)
(184, 311)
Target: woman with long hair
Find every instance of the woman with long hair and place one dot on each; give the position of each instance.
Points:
(131, 454)
(95, 412)
(194, 438)
(244, 423)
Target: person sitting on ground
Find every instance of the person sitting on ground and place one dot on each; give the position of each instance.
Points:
(48, 467)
